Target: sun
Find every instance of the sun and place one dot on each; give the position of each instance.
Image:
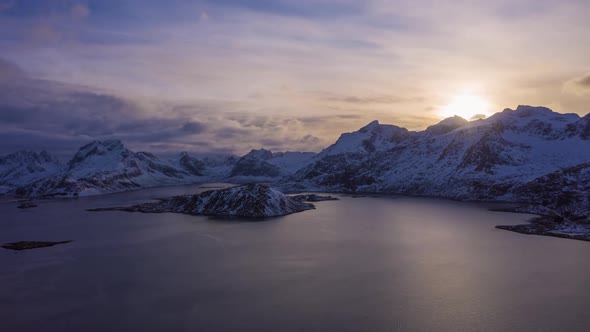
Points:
(467, 106)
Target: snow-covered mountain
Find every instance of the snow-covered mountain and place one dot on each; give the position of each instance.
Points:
(263, 165)
(251, 200)
(564, 194)
(191, 165)
(108, 166)
(369, 139)
(483, 159)
(209, 166)
(511, 155)
(24, 167)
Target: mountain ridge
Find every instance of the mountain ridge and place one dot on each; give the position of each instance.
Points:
(484, 159)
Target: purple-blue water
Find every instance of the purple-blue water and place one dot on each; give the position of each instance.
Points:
(358, 264)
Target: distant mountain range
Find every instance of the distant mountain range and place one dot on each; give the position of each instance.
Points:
(109, 166)
(530, 154)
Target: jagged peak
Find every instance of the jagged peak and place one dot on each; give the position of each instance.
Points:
(372, 125)
(260, 153)
(186, 156)
(109, 144)
(382, 129)
(96, 147)
(112, 142)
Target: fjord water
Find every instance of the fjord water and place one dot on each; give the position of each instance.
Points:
(358, 264)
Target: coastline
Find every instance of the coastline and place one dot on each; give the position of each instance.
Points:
(544, 225)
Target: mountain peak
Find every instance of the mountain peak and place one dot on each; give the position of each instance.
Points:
(453, 120)
(113, 143)
(447, 125)
(526, 110)
(109, 144)
(259, 154)
(99, 148)
(371, 126)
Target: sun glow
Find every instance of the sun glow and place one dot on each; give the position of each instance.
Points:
(467, 106)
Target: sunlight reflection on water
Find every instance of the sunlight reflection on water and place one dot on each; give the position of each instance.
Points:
(358, 264)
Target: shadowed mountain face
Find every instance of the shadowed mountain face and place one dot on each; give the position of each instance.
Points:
(192, 165)
(264, 165)
(256, 163)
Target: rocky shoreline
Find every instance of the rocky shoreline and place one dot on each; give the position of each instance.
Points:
(544, 225)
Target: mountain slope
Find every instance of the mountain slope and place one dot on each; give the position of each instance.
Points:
(102, 167)
(476, 160)
(264, 165)
(24, 167)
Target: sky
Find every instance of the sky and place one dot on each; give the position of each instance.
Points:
(230, 75)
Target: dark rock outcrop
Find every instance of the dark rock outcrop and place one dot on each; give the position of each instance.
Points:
(24, 245)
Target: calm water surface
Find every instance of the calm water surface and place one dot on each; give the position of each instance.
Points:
(358, 264)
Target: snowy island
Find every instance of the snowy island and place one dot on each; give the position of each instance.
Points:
(251, 200)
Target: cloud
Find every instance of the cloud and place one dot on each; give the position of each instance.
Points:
(231, 132)
(310, 139)
(42, 113)
(9, 70)
(194, 127)
(45, 108)
(478, 117)
(79, 11)
(368, 99)
(302, 8)
(6, 5)
(298, 143)
(309, 120)
(578, 86)
(13, 139)
(44, 31)
(584, 81)
(144, 70)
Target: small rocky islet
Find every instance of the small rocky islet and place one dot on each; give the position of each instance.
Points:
(25, 245)
(250, 201)
(27, 205)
